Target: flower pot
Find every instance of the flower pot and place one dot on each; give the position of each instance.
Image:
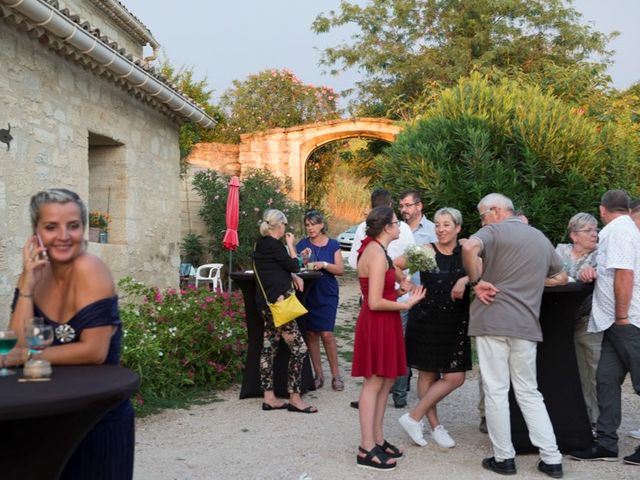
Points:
(94, 234)
(104, 237)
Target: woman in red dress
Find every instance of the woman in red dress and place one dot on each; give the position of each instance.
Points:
(379, 353)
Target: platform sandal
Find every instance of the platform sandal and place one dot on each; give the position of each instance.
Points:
(391, 450)
(368, 460)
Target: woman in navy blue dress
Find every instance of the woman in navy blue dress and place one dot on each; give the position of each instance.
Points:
(322, 298)
(74, 292)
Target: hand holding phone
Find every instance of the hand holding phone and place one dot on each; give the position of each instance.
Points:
(43, 254)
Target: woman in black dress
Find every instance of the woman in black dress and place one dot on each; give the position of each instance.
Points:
(73, 291)
(276, 266)
(436, 338)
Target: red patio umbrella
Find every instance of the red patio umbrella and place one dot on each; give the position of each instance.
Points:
(230, 240)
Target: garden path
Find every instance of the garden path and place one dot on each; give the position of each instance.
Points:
(234, 439)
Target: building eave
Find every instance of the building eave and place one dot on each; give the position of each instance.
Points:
(76, 39)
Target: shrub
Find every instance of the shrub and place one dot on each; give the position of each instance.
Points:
(179, 339)
(480, 138)
(259, 190)
(192, 249)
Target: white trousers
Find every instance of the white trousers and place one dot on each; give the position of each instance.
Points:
(505, 359)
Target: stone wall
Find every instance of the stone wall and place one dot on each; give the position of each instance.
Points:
(223, 158)
(55, 107)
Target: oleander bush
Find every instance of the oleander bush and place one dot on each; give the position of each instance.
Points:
(181, 340)
(480, 137)
(260, 189)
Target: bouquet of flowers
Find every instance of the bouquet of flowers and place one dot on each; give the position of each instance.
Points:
(420, 259)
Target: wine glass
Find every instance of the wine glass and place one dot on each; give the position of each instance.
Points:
(8, 340)
(38, 337)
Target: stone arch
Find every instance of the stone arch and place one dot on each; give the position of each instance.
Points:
(285, 151)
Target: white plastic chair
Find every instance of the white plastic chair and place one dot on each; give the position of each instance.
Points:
(210, 272)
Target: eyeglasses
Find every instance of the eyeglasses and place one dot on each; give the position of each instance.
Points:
(589, 230)
(397, 222)
(407, 205)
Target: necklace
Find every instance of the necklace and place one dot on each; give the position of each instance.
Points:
(316, 249)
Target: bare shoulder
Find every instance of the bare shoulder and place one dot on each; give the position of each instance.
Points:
(92, 278)
(428, 247)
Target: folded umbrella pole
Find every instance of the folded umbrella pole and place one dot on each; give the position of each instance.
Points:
(230, 240)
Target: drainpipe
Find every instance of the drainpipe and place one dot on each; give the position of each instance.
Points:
(45, 16)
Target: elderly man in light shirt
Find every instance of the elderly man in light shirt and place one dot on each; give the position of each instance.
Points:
(616, 312)
(517, 261)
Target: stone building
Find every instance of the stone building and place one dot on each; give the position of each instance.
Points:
(81, 109)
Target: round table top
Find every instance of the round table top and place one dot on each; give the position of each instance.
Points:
(570, 287)
(249, 275)
(70, 388)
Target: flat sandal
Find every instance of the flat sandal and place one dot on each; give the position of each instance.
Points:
(337, 384)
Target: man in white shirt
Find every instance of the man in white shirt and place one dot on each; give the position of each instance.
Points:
(423, 231)
(616, 312)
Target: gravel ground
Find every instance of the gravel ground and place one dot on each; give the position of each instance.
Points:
(235, 439)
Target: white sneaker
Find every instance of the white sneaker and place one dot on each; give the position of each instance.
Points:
(423, 426)
(413, 429)
(634, 434)
(442, 437)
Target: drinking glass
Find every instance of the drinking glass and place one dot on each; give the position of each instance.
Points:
(308, 258)
(8, 340)
(38, 336)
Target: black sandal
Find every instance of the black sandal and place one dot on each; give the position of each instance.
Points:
(391, 450)
(368, 462)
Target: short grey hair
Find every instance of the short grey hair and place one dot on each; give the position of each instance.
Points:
(496, 200)
(454, 213)
(55, 195)
(271, 219)
(581, 220)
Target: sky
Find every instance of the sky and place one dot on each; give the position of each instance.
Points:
(231, 39)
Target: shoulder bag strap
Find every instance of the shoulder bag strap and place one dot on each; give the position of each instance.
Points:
(255, 271)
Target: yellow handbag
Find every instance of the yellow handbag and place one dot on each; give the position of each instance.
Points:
(285, 310)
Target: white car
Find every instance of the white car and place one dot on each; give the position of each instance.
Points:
(345, 239)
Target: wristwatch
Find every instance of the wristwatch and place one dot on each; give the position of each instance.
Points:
(474, 283)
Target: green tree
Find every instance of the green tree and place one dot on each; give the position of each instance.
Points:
(259, 190)
(408, 49)
(273, 99)
(191, 133)
(480, 137)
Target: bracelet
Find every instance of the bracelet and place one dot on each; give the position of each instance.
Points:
(474, 283)
(622, 318)
(20, 294)
(325, 265)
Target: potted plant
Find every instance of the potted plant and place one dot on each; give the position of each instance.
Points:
(98, 224)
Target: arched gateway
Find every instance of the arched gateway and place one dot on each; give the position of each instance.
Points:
(285, 151)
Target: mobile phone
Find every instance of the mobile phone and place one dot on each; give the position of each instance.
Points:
(42, 255)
